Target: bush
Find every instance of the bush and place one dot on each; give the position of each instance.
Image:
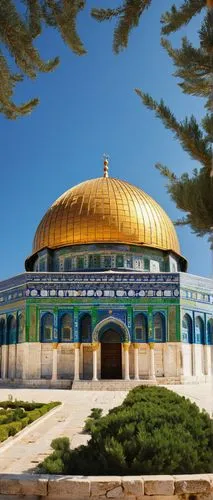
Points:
(92, 419)
(154, 431)
(33, 415)
(13, 428)
(3, 433)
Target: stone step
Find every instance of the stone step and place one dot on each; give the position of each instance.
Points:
(120, 385)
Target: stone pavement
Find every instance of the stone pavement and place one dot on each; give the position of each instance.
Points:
(27, 450)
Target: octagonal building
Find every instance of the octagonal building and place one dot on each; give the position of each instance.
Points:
(105, 300)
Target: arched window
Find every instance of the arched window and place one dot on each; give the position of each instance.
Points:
(187, 328)
(199, 330)
(210, 331)
(67, 264)
(66, 327)
(140, 325)
(85, 328)
(11, 329)
(21, 327)
(159, 327)
(2, 331)
(47, 323)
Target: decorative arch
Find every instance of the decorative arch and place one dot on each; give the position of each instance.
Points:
(85, 327)
(47, 326)
(141, 327)
(65, 327)
(159, 326)
(109, 322)
(199, 329)
(210, 331)
(187, 328)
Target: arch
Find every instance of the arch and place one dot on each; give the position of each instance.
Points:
(20, 327)
(47, 325)
(65, 327)
(140, 327)
(187, 328)
(199, 330)
(210, 331)
(2, 330)
(159, 325)
(108, 323)
(11, 329)
(85, 327)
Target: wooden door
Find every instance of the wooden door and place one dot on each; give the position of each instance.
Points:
(111, 367)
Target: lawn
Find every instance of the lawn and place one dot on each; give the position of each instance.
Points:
(15, 415)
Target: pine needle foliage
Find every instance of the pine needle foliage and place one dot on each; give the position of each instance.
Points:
(18, 32)
(154, 431)
(194, 69)
(128, 17)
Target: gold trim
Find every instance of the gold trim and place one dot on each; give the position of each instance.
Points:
(77, 345)
(151, 345)
(135, 345)
(55, 345)
(126, 346)
(95, 346)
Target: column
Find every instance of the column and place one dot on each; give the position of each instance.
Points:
(95, 346)
(4, 361)
(152, 361)
(126, 361)
(77, 361)
(136, 361)
(55, 355)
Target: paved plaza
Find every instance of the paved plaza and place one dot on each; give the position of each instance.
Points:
(22, 453)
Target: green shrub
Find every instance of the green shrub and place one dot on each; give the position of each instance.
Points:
(3, 433)
(13, 428)
(33, 415)
(25, 422)
(92, 419)
(154, 431)
(58, 462)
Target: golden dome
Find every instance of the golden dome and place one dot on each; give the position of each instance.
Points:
(106, 210)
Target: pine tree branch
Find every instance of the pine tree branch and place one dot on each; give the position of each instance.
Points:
(63, 16)
(176, 18)
(194, 196)
(34, 15)
(106, 14)
(194, 67)
(187, 132)
(16, 37)
(128, 17)
(7, 107)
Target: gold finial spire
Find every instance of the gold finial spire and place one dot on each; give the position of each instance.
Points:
(106, 168)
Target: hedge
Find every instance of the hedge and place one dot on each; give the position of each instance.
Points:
(15, 415)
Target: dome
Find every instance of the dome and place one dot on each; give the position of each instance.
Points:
(106, 210)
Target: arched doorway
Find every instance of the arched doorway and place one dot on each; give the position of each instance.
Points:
(111, 359)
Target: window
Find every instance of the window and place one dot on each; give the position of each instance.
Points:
(119, 261)
(107, 261)
(47, 323)
(21, 327)
(210, 331)
(80, 262)
(146, 264)
(42, 265)
(85, 328)
(67, 264)
(97, 261)
(159, 327)
(66, 327)
(2, 330)
(140, 323)
(11, 329)
(129, 262)
(187, 328)
(199, 330)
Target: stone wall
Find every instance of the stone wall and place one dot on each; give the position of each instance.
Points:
(29, 487)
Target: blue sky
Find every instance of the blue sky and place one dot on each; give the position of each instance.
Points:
(88, 107)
